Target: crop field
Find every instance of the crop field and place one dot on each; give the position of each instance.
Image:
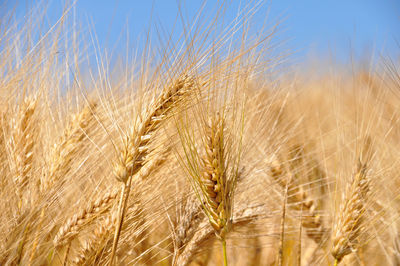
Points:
(208, 149)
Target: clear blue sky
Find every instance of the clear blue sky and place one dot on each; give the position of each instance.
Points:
(318, 27)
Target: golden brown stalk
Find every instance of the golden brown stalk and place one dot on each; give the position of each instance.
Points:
(282, 236)
(36, 240)
(21, 245)
(22, 143)
(69, 144)
(300, 232)
(85, 216)
(348, 228)
(136, 145)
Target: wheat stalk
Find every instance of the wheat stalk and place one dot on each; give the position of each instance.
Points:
(282, 234)
(2, 136)
(136, 145)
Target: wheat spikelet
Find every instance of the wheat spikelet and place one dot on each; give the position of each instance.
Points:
(136, 148)
(84, 216)
(347, 229)
(63, 152)
(22, 143)
(187, 222)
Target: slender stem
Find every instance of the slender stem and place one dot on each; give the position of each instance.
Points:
(336, 262)
(117, 230)
(36, 241)
(281, 242)
(300, 233)
(65, 259)
(22, 243)
(121, 213)
(224, 251)
(19, 206)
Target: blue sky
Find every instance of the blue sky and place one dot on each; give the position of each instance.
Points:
(308, 27)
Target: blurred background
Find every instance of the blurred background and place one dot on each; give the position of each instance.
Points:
(311, 29)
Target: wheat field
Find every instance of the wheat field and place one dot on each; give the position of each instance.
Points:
(201, 152)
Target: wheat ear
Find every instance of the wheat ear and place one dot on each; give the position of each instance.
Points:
(78, 221)
(136, 145)
(61, 158)
(63, 152)
(22, 143)
(213, 186)
(347, 229)
(186, 225)
(214, 179)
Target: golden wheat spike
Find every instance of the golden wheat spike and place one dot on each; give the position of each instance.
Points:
(22, 144)
(69, 145)
(133, 156)
(348, 228)
(214, 183)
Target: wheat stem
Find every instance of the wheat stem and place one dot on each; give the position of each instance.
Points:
(336, 262)
(224, 251)
(65, 258)
(121, 213)
(36, 240)
(282, 236)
